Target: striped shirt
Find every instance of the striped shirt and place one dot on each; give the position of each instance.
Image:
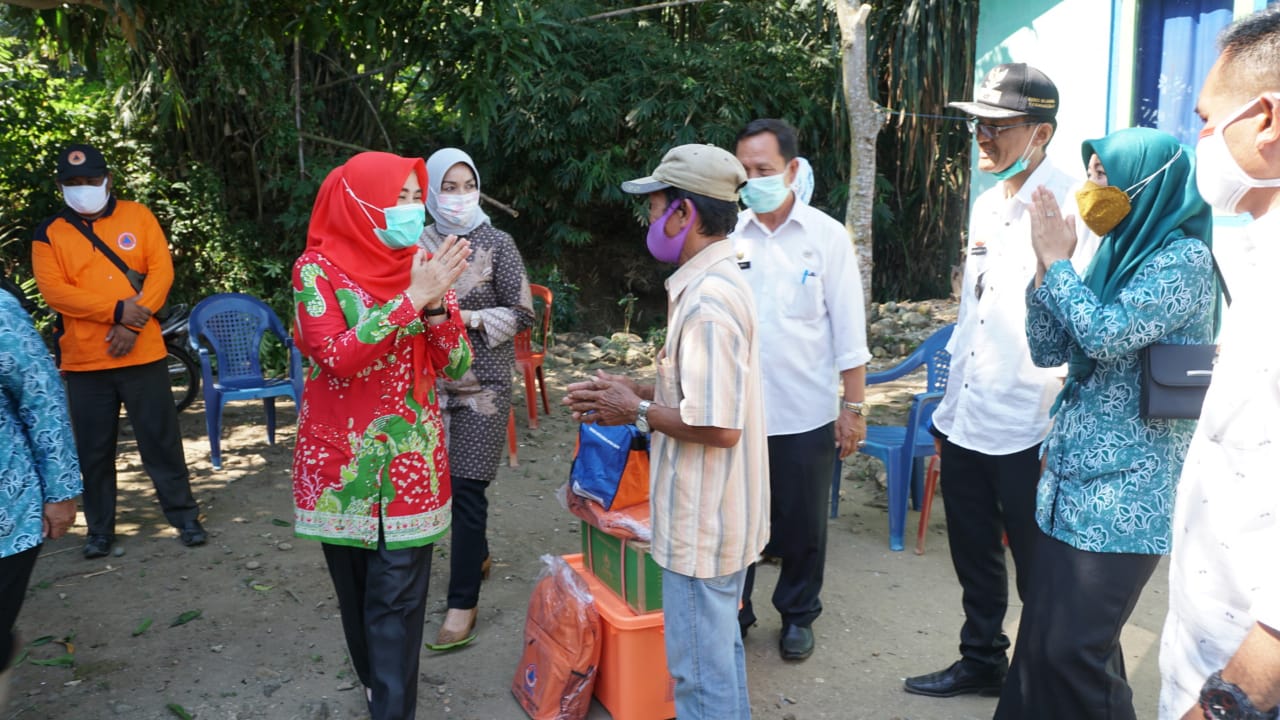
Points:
(710, 505)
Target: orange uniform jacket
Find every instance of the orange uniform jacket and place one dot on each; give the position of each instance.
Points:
(86, 288)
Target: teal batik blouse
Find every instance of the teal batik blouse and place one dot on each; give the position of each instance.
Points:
(1110, 476)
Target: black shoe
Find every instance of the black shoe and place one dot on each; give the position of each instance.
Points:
(744, 628)
(97, 546)
(192, 534)
(962, 678)
(796, 642)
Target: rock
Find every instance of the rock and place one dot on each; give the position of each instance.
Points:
(252, 565)
(925, 309)
(587, 354)
(883, 327)
(626, 337)
(117, 551)
(914, 319)
(284, 546)
(889, 308)
(599, 341)
(879, 351)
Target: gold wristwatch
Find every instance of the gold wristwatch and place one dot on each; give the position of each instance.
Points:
(857, 408)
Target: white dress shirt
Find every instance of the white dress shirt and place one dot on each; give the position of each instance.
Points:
(812, 325)
(1223, 576)
(997, 400)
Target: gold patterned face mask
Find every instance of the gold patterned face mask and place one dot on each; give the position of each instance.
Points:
(1102, 207)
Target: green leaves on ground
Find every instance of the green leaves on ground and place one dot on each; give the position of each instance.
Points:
(185, 618)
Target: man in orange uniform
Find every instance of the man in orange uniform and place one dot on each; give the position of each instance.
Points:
(103, 264)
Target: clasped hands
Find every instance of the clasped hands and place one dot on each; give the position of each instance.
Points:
(431, 275)
(122, 335)
(605, 399)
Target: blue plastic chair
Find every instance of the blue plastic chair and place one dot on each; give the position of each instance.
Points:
(899, 446)
(233, 325)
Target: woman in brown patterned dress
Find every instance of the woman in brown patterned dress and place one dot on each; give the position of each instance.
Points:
(494, 296)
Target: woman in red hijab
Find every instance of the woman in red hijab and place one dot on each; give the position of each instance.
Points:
(378, 322)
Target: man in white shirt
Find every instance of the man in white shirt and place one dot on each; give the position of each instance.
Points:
(989, 425)
(1220, 651)
(804, 277)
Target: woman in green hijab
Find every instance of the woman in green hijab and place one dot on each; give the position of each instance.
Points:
(1105, 499)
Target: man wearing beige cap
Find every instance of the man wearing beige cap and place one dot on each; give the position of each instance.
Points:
(709, 473)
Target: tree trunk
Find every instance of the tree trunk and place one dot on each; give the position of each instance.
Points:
(865, 120)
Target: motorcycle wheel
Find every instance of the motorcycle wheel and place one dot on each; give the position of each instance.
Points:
(184, 376)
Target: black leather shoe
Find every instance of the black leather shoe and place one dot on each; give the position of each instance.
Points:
(962, 678)
(97, 546)
(796, 642)
(192, 534)
(744, 628)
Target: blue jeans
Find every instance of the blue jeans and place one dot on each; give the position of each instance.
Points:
(704, 646)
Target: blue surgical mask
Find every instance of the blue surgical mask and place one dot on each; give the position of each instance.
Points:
(765, 194)
(1018, 166)
(405, 223)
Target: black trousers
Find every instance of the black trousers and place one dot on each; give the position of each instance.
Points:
(383, 597)
(15, 574)
(984, 497)
(1068, 662)
(469, 544)
(94, 400)
(800, 469)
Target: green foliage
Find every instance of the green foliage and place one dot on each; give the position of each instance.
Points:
(225, 116)
(926, 49)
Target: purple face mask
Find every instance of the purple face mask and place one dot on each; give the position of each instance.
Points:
(664, 247)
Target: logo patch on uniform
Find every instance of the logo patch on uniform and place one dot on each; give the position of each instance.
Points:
(127, 241)
(75, 158)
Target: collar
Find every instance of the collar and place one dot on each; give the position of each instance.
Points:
(796, 215)
(1038, 177)
(698, 266)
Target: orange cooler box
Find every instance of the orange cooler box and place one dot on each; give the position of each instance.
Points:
(633, 682)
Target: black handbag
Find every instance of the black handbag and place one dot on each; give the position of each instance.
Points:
(1175, 378)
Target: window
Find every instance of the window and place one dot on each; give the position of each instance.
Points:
(1176, 46)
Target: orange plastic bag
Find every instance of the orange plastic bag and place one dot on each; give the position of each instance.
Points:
(562, 635)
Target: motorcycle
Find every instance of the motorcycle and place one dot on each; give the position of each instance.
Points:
(184, 368)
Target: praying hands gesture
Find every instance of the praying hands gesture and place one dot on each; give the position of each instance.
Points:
(1053, 237)
(431, 276)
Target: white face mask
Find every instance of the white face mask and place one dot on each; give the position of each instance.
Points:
(86, 199)
(1220, 179)
(459, 209)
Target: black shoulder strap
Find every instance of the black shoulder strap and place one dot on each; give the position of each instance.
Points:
(1221, 280)
(78, 223)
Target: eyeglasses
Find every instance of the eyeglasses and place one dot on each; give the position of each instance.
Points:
(987, 131)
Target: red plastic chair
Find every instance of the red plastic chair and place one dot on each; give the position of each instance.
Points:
(512, 459)
(528, 362)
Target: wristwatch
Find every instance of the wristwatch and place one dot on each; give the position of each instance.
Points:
(642, 416)
(1222, 700)
(475, 321)
(857, 408)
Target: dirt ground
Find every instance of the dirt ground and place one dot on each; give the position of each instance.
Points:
(268, 644)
